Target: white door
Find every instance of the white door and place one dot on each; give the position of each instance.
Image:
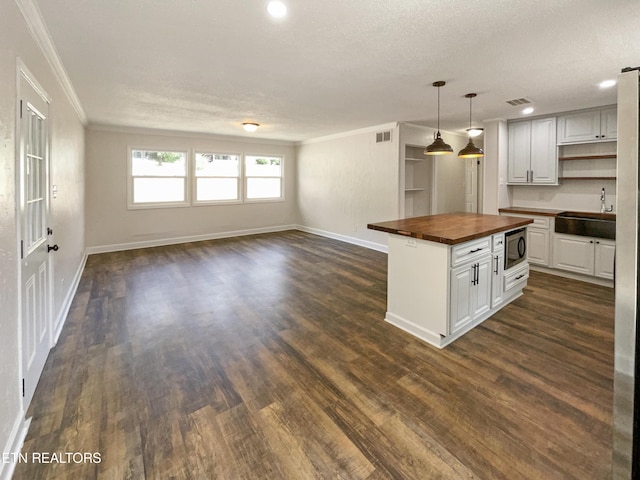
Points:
(471, 185)
(33, 185)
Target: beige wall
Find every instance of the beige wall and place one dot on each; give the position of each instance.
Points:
(110, 225)
(347, 181)
(67, 172)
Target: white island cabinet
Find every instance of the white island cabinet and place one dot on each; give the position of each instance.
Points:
(446, 273)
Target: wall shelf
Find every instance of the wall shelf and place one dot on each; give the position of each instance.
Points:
(410, 159)
(587, 157)
(414, 189)
(586, 178)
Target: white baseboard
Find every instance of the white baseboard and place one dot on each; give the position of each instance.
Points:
(68, 300)
(344, 238)
(118, 247)
(14, 445)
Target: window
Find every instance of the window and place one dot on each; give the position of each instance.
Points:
(217, 178)
(158, 178)
(263, 175)
(174, 178)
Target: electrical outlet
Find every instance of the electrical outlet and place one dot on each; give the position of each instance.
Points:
(412, 242)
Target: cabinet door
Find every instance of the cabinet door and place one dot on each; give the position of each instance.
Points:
(497, 274)
(538, 246)
(579, 127)
(481, 292)
(573, 253)
(519, 152)
(461, 286)
(609, 124)
(544, 157)
(604, 258)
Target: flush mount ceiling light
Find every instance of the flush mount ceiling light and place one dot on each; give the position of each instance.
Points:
(438, 147)
(528, 110)
(250, 127)
(607, 83)
(277, 9)
(470, 151)
(475, 131)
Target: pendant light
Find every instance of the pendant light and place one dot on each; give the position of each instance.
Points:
(470, 151)
(438, 147)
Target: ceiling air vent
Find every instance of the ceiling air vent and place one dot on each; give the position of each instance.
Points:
(383, 136)
(518, 101)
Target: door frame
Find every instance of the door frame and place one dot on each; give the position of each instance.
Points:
(23, 74)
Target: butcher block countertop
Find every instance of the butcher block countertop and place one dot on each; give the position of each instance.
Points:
(543, 212)
(450, 228)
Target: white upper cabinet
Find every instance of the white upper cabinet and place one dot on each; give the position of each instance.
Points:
(588, 126)
(533, 157)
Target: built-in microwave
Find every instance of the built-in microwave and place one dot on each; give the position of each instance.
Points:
(516, 252)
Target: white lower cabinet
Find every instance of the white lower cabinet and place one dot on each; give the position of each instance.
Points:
(437, 292)
(470, 292)
(604, 258)
(497, 274)
(586, 255)
(538, 246)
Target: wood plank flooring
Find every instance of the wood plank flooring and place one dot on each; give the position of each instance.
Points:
(267, 357)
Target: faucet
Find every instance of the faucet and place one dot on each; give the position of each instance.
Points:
(603, 203)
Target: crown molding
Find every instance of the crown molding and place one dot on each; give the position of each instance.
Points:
(40, 33)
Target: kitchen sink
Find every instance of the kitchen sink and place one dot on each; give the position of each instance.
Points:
(587, 224)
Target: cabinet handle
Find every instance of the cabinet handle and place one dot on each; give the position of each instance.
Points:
(476, 250)
(519, 277)
(497, 264)
(590, 241)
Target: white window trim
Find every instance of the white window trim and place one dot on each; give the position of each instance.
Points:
(281, 198)
(198, 203)
(151, 205)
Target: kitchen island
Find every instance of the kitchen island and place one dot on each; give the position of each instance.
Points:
(446, 273)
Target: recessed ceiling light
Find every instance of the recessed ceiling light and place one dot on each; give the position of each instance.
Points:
(607, 83)
(277, 9)
(528, 110)
(250, 127)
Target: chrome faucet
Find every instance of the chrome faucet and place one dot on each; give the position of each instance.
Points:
(603, 203)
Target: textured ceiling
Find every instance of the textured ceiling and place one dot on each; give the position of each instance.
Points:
(336, 65)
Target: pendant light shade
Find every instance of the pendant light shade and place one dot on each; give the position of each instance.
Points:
(438, 147)
(470, 151)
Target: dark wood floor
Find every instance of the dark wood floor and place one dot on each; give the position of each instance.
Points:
(268, 357)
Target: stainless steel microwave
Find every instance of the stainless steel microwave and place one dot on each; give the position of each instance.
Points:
(516, 252)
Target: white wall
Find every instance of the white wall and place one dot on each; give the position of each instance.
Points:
(347, 181)
(111, 226)
(67, 171)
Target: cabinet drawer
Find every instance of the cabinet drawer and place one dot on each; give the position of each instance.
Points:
(541, 222)
(516, 277)
(498, 242)
(538, 222)
(470, 250)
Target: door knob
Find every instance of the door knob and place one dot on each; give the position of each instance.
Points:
(54, 248)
